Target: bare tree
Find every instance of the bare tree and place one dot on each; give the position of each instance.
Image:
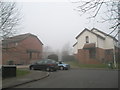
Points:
(47, 50)
(110, 12)
(9, 19)
(66, 50)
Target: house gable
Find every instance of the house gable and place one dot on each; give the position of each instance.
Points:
(103, 34)
(90, 32)
(22, 49)
(92, 47)
(82, 38)
(31, 42)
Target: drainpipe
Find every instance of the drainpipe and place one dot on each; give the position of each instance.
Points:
(114, 56)
(97, 49)
(119, 30)
(119, 23)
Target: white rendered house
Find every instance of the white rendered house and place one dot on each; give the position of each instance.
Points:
(94, 46)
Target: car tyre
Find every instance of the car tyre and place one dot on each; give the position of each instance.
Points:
(31, 68)
(48, 69)
(61, 68)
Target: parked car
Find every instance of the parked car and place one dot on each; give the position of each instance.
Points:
(63, 66)
(46, 65)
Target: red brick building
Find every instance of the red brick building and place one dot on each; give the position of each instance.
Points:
(94, 47)
(21, 49)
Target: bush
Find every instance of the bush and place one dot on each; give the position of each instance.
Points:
(53, 56)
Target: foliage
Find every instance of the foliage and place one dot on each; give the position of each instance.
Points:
(9, 19)
(53, 56)
(75, 64)
(10, 62)
(68, 58)
(110, 12)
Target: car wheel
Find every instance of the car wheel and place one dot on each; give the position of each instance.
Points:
(66, 69)
(31, 68)
(55, 70)
(48, 69)
(61, 68)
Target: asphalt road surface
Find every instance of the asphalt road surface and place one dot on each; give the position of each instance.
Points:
(77, 78)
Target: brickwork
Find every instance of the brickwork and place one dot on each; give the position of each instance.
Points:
(101, 56)
(84, 57)
(97, 49)
(19, 52)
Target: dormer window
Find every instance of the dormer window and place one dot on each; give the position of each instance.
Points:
(87, 39)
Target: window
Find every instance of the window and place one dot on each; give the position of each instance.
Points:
(87, 39)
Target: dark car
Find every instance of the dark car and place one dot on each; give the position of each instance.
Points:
(46, 65)
(63, 66)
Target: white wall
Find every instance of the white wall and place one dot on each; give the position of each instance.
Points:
(75, 49)
(97, 32)
(109, 44)
(101, 43)
(82, 39)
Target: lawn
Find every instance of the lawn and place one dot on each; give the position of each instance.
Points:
(21, 72)
(75, 64)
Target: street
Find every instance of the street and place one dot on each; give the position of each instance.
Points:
(77, 78)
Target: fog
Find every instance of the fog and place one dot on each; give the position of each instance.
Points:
(56, 23)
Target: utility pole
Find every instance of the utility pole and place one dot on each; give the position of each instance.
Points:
(114, 43)
(114, 54)
(119, 24)
(118, 31)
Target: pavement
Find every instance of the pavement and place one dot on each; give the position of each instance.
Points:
(34, 75)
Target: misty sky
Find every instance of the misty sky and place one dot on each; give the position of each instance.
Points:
(55, 23)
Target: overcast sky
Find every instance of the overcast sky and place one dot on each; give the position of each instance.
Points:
(55, 23)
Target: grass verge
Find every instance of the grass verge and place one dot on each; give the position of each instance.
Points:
(21, 72)
(75, 64)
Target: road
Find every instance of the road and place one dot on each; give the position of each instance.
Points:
(77, 78)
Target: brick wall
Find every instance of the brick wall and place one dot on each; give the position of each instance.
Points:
(109, 55)
(101, 56)
(84, 57)
(17, 52)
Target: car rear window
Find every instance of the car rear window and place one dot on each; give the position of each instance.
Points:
(50, 61)
(46, 61)
(40, 62)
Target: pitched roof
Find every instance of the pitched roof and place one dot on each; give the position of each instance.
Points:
(97, 34)
(89, 45)
(104, 33)
(91, 32)
(18, 38)
(75, 44)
